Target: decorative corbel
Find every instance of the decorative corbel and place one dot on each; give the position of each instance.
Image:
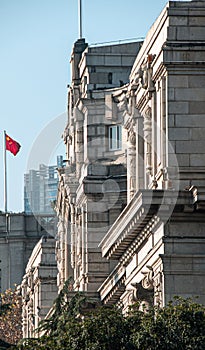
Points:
(144, 290)
(122, 99)
(143, 76)
(148, 282)
(142, 294)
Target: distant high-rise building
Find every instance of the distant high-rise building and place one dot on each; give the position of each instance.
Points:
(40, 188)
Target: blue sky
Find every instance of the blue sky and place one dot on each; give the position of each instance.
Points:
(36, 39)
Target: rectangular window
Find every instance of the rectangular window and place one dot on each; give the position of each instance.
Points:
(115, 137)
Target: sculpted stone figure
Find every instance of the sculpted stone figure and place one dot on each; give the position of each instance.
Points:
(143, 76)
(123, 102)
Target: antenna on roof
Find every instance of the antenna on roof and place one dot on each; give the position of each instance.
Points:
(80, 18)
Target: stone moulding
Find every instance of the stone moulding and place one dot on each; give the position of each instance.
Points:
(136, 216)
(114, 286)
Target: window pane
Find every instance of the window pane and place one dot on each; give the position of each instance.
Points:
(119, 137)
(110, 138)
(115, 137)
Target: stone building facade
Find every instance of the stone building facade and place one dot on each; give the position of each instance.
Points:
(19, 233)
(158, 239)
(92, 187)
(131, 198)
(39, 287)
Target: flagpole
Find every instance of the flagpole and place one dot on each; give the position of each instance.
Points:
(5, 175)
(80, 18)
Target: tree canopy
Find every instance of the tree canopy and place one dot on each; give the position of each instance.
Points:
(10, 318)
(80, 324)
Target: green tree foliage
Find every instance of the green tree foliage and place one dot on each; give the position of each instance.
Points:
(80, 324)
(178, 326)
(10, 318)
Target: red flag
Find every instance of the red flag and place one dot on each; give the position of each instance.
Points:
(12, 145)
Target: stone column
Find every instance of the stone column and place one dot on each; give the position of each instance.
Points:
(148, 141)
(131, 165)
(66, 237)
(139, 153)
(72, 233)
(79, 140)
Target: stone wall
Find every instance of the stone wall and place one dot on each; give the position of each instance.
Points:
(39, 285)
(19, 234)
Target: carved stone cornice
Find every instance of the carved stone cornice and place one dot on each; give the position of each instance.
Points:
(132, 224)
(140, 238)
(114, 286)
(131, 221)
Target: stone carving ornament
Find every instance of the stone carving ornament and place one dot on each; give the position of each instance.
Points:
(123, 101)
(144, 290)
(143, 76)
